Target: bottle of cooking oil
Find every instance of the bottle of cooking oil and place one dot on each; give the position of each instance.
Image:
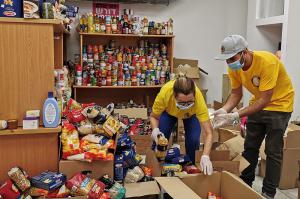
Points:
(90, 23)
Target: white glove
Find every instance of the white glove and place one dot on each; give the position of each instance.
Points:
(219, 111)
(155, 133)
(226, 119)
(206, 166)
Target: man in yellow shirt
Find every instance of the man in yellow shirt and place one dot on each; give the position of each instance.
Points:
(181, 99)
(269, 111)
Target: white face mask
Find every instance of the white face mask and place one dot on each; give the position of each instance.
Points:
(181, 107)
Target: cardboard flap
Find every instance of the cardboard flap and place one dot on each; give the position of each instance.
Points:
(227, 134)
(188, 66)
(230, 166)
(176, 188)
(234, 188)
(293, 137)
(214, 155)
(202, 184)
(235, 146)
(133, 112)
(243, 162)
(141, 189)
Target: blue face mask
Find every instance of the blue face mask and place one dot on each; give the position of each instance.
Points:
(236, 65)
(181, 107)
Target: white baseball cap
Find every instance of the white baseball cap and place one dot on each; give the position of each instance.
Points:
(232, 45)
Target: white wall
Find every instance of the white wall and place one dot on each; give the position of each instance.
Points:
(292, 52)
(199, 26)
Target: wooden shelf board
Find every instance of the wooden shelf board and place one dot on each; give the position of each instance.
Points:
(20, 131)
(117, 87)
(126, 35)
(58, 25)
(270, 21)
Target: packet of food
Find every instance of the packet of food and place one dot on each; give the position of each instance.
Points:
(19, 177)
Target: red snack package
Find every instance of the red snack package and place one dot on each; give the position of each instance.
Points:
(191, 169)
(76, 116)
(9, 190)
(105, 195)
(95, 154)
(74, 183)
(63, 192)
(70, 140)
(97, 190)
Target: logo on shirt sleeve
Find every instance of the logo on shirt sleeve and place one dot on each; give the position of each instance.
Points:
(255, 81)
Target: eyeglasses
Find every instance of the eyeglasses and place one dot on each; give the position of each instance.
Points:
(187, 103)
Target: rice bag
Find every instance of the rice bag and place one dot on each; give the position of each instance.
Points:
(97, 190)
(85, 127)
(9, 190)
(97, 139)
(134, 175)
(19, 177)
(70, 140)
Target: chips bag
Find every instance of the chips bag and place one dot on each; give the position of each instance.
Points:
(70, 140)
(97, 190)
(9, 190)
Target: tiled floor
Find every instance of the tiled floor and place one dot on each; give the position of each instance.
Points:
(281, 194)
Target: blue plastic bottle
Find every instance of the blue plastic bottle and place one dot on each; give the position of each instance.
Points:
(51, 112)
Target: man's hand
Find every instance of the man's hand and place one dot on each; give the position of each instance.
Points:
(226, 119)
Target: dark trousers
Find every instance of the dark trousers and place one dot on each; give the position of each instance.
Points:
(192, 130)
(270, 125)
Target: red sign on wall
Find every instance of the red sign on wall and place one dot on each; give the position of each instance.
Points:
(104, 9)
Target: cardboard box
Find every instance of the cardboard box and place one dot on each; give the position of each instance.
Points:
(133, 112)
(143, 143)
(222, 184)
(217, 105)
(298, 189)
(226, 87)
(145, 190)
(12, 8)
(191, 69)
(98, 168)
(291, 155)
(235, 146)
(229, 132)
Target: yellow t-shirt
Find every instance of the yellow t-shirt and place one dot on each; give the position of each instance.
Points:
(165, 101)
(266, 72)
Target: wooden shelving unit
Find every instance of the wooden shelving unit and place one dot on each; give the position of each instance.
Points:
(107, 94)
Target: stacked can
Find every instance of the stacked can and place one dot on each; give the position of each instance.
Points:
(110, 65)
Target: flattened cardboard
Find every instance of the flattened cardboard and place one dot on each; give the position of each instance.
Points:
(235, 146)
(234, 188)
(176, 188)
(133, 112)
(227, 134)
(190, 67)
(214, 155)
(140, 189)
(243, 162)
(230, 166)
(98, 168)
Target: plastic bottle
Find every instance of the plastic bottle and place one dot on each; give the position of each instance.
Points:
(51, 112)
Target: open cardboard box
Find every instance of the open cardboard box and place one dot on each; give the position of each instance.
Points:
(133, 112)
(197, 186)
(291, 155)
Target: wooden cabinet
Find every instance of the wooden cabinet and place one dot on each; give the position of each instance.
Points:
(33, 150)
(29, 51)
(107, 94)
